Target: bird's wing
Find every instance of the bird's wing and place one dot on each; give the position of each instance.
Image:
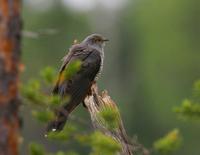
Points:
(90, 64)
(73, 51)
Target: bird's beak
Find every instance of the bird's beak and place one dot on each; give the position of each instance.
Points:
(105, 39)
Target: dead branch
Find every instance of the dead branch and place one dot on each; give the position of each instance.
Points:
(39, 33)
(95, 103)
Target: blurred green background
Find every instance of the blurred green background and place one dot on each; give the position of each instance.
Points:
(151, 61)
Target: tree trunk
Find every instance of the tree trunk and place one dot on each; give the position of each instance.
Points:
(10, 37)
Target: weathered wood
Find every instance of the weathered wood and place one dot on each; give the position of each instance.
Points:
(10, 34)
(95, 103)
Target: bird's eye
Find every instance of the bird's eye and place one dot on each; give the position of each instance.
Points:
(98, 40)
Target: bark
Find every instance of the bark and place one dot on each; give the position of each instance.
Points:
(95, 103)
(10, 34)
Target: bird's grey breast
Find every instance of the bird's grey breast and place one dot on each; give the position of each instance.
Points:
(102, 58)
(101, 53)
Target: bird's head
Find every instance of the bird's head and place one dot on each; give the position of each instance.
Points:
(95, 40)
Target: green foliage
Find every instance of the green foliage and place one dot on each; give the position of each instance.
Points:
(188, 110)
(110, 117)
(72, 69)
(101, 144)
(63, 135)
(55, 100)
(31, 91)
(104, 144)
(43, 116)
(48, 74)
(68, 153)
(168, 143)
(36, 149)
(35, 93)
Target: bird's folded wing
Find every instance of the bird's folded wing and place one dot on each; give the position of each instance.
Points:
(80, 81)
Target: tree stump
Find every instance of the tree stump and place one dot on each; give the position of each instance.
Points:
(95, 103)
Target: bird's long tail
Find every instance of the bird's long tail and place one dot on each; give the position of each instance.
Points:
(62, 113)
(59, 122)
(77, 93)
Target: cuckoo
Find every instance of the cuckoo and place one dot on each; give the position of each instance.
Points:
(90, 52)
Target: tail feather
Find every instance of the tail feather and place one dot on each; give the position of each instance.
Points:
(63, 113)
(77, 93)
(59, 122)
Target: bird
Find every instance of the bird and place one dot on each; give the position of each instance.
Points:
(90, 52)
